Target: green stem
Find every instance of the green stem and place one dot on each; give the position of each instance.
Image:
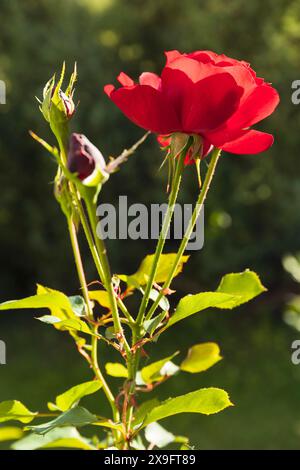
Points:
(83, 219)
(125, 310)
(97, 249)
(163, 235)
(81, 275)
(82, 279)
(89, 235)
(202, 196)
(79, 265)
(135, 358)
(107, 278)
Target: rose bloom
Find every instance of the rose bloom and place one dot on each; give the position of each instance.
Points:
(204, 94)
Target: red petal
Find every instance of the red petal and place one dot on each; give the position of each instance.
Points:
(108, 89)
(243, 77)
(203, 56)
(125, 80)
(179, 77)
(172, 55)
(249, 142)
(259, 104)
(193, 69)
(151, 79)
(210, 103)
(146, 107)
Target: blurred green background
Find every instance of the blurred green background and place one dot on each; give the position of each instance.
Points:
(252, 213)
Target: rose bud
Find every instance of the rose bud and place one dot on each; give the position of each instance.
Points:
(86, 160)
(58, 106)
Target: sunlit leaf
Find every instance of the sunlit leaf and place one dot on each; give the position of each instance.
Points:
(70, 324)
(144, 409)
(205, 401)
(163, 303)
(77, 417)
(15, 410)
(38, 301)
(151, 325)
(57, 302)
(67, 437)
(291, 264)
(165, 265)
(71, 397)
(100, 296)
(137, 443)
(154, 372)
(156, 435)
(169, 369)
(116, 369)
(245, 286)
(10, 433)
(234, 289)
(292, 319)
(201, 357)
(106, 423)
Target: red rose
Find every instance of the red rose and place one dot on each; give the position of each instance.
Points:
(201, 93)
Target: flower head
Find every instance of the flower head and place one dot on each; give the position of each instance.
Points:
(201, 93)
(86, 160)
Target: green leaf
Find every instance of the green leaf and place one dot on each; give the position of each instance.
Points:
(205, 401)
(144, 409)
(36, 301)
(137, 443)
(78, 305)
(245, 286)
(116, 370)
(185, 446)
(140, 278)
(57, 302)
(155, 372)
(156, 435)
(15, 410)
(70, 324)
(67, 437)
(292, 319)
(163, 303)
(49, 319)
(77, 417)
(151, 325)
(10, 433)
(71, 397)
(107, 423)
(234, 289)
(201, 357)
(100, 296)
(110, 333)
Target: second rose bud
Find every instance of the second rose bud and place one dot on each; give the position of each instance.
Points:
(86, 160)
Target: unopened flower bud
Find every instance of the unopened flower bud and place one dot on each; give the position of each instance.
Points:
(86, 160)
(68, 103)
(57, 105)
